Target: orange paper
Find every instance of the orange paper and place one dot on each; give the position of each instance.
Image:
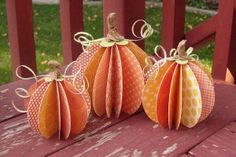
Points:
(183, 90)
(115, 78)
(56, 107)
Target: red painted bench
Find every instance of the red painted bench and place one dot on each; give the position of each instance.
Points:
(127, 136)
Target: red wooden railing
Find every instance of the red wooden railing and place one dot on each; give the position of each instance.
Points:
(219, 27)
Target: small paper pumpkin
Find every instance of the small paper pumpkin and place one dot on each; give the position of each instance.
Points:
(113, 66)
(181, 91)
(53, 105)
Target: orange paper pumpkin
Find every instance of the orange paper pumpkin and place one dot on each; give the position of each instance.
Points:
(180, 92)
(53, 106)
(113, 67)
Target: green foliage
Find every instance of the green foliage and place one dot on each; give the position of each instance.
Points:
(48, 35)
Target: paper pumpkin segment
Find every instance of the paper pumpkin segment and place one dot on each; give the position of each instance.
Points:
(180, 92)
(54, 105)
(113, 68)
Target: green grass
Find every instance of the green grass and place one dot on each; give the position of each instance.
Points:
(48, 37)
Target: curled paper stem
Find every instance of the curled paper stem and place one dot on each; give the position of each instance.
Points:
(86, 39)
(54, 75)
(145, 31)
(181, 53)
(153, 62)
(19, 90)
(17, 109)
(35, 77)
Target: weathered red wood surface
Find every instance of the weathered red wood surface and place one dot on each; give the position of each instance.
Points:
(135, 135)
(220, 144)
(139, 136)
(128, 12)
(7, 95)
(21, 34)
(17, 139)
(71, 14)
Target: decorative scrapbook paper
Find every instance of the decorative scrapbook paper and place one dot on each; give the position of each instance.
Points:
(53, 104)
(114, 70)
(180, 91)
(151, 90)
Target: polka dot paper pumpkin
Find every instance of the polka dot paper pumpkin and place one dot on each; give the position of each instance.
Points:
(113, 66)
(180, 92)
(53, 105)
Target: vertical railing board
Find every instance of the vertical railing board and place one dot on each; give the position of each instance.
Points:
(173, 20)
(71, 15)
(21, 35)
(224, 55)
(128, 11)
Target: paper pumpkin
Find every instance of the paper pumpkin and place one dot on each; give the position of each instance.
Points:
(53, 106)
(113, 66)
(179, 92)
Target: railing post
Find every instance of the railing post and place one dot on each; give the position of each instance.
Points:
(71, 15)
(225, 49)
(21, 35)
(173, 20)
(128, 11)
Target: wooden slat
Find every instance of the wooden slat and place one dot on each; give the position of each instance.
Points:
(139, 136)
(202, 33)
(225, 40)
(71, 15)
(127, 13)
(173, 20)
(17, 139)
(221, 144)
(7, 95)
(21, 35)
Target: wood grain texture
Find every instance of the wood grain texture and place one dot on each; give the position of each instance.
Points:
(7, 95)
(18, 139)
(139, 136)
(220, 144)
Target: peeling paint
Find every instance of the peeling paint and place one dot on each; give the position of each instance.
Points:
(4, 90)
(137, 153)
(4, 152)
(102, 138)
(214, 145)
(85, 135)
(154, 154)
(170, 149)
(155, 126)
(115, 152)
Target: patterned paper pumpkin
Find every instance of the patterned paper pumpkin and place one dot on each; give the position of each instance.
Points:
(53, 105)
(113, 67)
(179, 92)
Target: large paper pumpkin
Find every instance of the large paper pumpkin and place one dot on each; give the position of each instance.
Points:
(113, 66)
(53, 106)
(179, 92)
